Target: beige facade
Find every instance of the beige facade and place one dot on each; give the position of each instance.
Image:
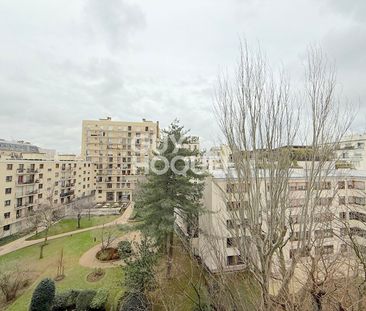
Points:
(352, 151)
(121, 151)
(342, 203)
(28, 180)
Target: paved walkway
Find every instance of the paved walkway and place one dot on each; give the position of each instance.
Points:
(21, 243)
(89, 260)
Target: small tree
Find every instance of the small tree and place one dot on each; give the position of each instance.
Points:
(78, 210)
(108, 236)
(43, 296)
(60, 266)
(46, 215)
(11, 281)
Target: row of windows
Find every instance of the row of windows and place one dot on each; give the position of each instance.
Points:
(302, 186)
(32, 167)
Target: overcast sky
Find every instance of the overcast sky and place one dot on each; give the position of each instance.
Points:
(65, 61)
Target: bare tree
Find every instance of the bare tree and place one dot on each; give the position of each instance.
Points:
(46, 214)
(261, 125)
(78, 209)
(108, 236)
(12, 280)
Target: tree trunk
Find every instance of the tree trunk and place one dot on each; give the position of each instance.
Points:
(41, 250)
(170, 255)
(79, 218)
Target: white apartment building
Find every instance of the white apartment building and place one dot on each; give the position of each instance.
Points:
(27, 179)
(352, 151)
(343, 200)
(217, 158)
(121, 151)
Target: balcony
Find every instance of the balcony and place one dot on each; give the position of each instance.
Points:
(25, 182)
(66, 194)
(26, 171)
(26, 193)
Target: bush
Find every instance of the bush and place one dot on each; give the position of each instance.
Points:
(99, 301)
(66, 300)
(135, 301)
(124, 249)
(43, 296)
(84, 299)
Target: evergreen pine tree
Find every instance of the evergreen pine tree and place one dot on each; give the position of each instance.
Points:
(168, 192)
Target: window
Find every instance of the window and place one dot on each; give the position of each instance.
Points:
(6, 228)
(8, 178)
(341, 185)
(233, 206)
(7, 190)
(342, 215)
(234, 260)
(41, 166)
(357, 216)
(40, 186)
(7, 203)
(7, 215)
(9, 167)
(342, 200)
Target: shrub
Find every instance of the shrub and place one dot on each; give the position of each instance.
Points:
(84, 299)
(134, 301)
(124, 249)
(43, 296)
(65, 300)
(99, 301)
(12, 281)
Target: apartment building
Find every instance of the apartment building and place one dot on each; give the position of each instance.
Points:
(352, 152)
(121, 151)
(218, 157)
(28, 179)
(342, 203)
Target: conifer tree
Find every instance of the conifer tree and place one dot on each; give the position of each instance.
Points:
(173, 189)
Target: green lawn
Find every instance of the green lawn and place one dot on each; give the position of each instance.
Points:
(67, 225)
(74, 246)
(11, 238)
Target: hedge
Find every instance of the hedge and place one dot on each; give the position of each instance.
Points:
(43, 296)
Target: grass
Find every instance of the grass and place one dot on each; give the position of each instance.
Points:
(11, 238)
(177, 293)
(74, 246)
(70, 224)
(188, 285)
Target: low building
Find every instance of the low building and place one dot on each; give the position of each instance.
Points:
(30, 178)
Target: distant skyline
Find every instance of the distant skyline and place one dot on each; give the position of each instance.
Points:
(65, 61)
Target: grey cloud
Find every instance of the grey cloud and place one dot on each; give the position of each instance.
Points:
(355, 9)
(113, 21)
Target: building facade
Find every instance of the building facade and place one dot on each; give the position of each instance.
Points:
(121, 152)
(352, 152)
(341, 207)
(30, 179)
